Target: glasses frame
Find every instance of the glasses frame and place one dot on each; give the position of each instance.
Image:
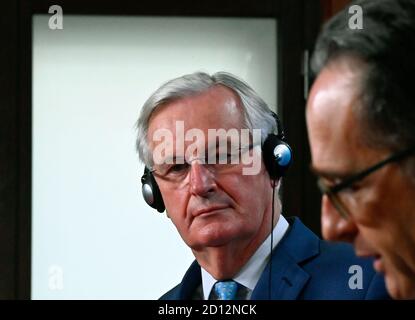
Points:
(332, 191)
(242, 150)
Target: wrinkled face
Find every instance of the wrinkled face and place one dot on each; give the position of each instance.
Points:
(381, 206)
(208, 207)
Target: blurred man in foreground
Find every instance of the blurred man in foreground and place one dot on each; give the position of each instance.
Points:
(361, 124)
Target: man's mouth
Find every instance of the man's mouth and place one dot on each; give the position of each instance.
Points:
(208, 210)
(377, 263)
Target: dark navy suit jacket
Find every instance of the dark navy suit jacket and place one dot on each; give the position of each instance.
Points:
(303, 267)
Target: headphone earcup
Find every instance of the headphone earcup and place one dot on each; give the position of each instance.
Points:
(151, 192)
(277, 156)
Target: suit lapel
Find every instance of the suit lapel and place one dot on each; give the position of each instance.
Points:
(288, 278)
(191, 280)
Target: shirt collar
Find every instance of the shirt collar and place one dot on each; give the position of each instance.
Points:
(250, 273)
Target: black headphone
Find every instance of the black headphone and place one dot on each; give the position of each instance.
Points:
(277, 157)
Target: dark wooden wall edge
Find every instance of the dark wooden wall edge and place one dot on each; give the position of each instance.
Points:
(8, 149)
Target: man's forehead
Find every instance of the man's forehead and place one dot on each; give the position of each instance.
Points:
(339, 156)
(333, 127)
(342, 159)
(213, 140)
(217, 108)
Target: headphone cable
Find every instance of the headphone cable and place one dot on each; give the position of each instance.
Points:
(272, 242)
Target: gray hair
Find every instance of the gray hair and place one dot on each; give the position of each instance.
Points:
(385, 45)
(386, 112)
(257, 114)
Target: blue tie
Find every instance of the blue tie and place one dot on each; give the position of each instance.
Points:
(226, 290)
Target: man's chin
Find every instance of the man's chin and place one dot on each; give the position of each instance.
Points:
(214, 236)
(209, 241)
(400, 290)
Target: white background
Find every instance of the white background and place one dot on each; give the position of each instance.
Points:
(93, 235)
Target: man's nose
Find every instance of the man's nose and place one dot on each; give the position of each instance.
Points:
(334, 226)
(202, 181)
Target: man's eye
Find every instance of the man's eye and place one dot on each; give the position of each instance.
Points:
(329, 183)
(334, 182)
(177, 168)
(227, 157)
(352, 188)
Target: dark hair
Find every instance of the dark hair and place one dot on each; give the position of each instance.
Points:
(387, 46)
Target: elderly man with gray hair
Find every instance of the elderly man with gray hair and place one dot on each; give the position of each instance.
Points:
(214, 154)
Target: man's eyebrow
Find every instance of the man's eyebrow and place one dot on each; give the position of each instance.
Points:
(217, 143)
(329, 174)
(172, 159)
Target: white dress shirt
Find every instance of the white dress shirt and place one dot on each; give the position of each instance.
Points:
(250, 273)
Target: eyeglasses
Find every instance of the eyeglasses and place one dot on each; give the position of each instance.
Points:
(334, 191)
(216, 161)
